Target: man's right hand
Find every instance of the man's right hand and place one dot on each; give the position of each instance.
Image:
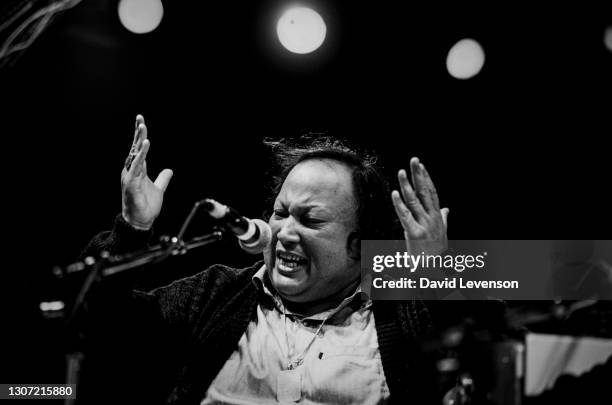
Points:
(141, 198)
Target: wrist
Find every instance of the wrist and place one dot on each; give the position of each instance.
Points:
(127, 238)
(427, 246)
(136, 224)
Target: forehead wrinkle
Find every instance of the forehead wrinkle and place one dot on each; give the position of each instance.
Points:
(300, 202)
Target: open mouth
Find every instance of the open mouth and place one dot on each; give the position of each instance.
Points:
(289, 261)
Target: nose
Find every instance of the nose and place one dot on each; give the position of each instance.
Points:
(288, 233)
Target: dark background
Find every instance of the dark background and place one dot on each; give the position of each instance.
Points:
(518, 152)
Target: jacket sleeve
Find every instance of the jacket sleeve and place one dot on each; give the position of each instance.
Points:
(122, 238)
(141, 340)
(132, 341)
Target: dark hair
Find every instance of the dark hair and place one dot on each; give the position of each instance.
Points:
(375, 215)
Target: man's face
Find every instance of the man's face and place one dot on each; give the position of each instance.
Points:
(314, 214)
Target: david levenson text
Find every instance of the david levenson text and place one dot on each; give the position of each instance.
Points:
(425, 282)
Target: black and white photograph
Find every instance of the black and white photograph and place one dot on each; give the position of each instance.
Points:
(306, 202)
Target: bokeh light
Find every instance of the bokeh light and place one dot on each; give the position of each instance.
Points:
(140, 16)
(465, 59)
(301, 30)
(608, 38)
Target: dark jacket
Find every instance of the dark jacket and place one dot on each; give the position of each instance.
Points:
(178, 337)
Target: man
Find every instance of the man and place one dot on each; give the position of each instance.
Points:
(293, 328)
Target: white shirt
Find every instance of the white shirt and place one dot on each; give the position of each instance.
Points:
(342, 366)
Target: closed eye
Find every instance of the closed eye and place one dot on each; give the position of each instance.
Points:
(281, 213)
(310, 221)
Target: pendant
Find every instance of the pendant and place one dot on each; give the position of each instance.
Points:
(289, 386)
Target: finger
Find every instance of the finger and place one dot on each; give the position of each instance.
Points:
(137, 137)
(431, 187)
(138, 165)
(412, 202)
(163, 179)
(142, 135)
(143, 129)
(136, 142)
(403, 213)
(444, 212)
(414, 167)
(139, 120)
(408, 243)
(420, 185)
(128, 161)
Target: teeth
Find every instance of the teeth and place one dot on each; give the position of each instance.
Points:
(291, 265)
(288, 261)
(290, 257)
(288, 265)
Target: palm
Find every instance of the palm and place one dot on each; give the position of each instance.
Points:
(142, 199)
(416, 231)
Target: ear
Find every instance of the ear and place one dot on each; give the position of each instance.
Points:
(353, 245)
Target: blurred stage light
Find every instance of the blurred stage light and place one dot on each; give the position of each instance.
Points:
(51, 306)
(301, 30)
(140, 16)
(465, 59)
(608, 38)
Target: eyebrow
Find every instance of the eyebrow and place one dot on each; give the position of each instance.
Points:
(306, 207)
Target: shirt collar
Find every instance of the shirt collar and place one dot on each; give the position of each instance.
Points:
(263, 284)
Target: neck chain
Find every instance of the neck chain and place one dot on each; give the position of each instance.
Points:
(292, 364)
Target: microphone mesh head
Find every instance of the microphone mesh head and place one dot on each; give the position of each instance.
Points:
(215, 209)
(265, 237)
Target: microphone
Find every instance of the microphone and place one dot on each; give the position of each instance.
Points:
(253, 234)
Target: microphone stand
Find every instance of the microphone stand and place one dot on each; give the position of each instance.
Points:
(109, 266)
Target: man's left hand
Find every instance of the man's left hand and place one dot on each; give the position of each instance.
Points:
(419, 212)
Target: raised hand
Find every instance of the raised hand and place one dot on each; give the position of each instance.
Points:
(419, 212)
(141, 198)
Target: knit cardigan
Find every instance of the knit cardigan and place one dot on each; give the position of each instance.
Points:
(202, 317)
